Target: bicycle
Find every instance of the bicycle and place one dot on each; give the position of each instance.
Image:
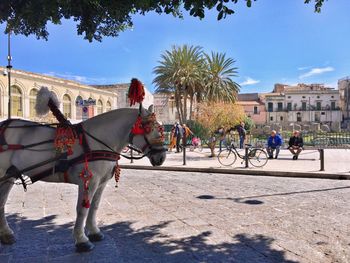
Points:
(256, 156)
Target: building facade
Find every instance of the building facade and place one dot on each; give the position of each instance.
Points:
(303, 104)
(71, 94)
(253, 107)
(122, 94)
(344, 90)
(165, 108)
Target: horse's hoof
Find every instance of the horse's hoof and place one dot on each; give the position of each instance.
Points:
(84, 247)
(96, 237)
(8, 239)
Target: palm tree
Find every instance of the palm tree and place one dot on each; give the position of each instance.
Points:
(180, 72)
(191, 75)
(219, 85)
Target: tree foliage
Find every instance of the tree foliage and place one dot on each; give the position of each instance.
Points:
(180, 72)
(218, 78)
(191, 75)
(212, 115)
(98, 18)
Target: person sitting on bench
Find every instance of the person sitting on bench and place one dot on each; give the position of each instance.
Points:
(296, 144)
(274, 142)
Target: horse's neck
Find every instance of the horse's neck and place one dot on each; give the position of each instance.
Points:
(112, 128)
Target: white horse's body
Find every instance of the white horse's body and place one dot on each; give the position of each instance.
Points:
(113, 128)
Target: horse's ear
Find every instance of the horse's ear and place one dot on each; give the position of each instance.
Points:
(144, 112)
(151, 108)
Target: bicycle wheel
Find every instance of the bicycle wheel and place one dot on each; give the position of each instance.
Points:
(257, 157)
(227, 157)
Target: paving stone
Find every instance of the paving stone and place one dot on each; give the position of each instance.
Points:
(161, 217)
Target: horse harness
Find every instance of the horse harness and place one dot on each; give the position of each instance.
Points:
(66, 136)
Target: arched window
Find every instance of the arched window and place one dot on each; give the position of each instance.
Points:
(67, 106)
(99, 107)
(79, 107)
(108, 106)
(32, 101)
(16, 101)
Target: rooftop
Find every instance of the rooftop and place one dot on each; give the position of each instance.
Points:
(44, 77)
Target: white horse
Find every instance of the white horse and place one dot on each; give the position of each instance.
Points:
(112, 131)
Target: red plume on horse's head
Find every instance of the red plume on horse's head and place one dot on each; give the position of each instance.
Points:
(136, 92)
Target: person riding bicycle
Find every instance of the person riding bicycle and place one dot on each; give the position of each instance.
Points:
(274, 143)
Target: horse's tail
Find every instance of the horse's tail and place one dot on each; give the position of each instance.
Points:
(42, 101)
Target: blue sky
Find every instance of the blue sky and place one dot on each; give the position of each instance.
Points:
(272, 42)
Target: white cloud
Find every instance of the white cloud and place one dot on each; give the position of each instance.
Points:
(316, 71)
(249, 81)
(304, 68)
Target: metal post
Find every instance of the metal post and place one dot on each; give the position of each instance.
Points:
(184, 148)
(246, 157)
(9, 66)
(321, 159)
(132, 155)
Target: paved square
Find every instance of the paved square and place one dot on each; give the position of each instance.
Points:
(188, 217)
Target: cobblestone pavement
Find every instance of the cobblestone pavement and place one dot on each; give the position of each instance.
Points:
(188, 217)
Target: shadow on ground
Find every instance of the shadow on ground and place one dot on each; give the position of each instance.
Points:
(44, 241)
(251, 200)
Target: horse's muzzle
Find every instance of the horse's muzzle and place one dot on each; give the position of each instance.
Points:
(157, 156)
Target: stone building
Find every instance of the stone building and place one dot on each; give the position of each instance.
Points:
(303, 104)
(253, 107)
(344, 90)
(165, 108)
(72, 95)
(122, 91)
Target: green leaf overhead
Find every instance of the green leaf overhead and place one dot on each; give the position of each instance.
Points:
(98, 18)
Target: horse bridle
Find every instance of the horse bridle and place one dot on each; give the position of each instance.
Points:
(144, 127)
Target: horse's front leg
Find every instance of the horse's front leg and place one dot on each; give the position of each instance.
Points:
(95, 233)
(82, 242)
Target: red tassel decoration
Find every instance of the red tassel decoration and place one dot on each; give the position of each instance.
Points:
(136, 92)
(137, 129)
(86, 175)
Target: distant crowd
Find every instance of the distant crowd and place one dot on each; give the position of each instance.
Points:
(273, 145)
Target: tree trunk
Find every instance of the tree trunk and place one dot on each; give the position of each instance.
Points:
(185, 107)
(179, 105)
(191, 106)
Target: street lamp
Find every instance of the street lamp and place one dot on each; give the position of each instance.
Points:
(9, 67)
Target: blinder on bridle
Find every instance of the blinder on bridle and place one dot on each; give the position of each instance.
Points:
(145, 126)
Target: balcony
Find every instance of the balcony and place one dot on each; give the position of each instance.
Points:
(304, 109)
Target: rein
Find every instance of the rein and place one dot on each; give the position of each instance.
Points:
(107, 146)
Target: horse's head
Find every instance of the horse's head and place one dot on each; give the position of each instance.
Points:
(148, 136)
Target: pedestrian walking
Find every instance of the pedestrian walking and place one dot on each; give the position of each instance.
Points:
(221, 132)
(187, 131)
(179, 133)
(242, 134)
(172, 139)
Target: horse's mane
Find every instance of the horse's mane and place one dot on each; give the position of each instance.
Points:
(112, 115)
